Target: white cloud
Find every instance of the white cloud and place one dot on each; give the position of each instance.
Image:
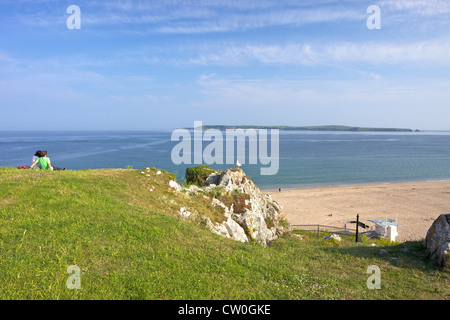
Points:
(188, 17)
(417, 7)
(326, 92)
(417, 104)
(262, 19)
(208, 16)
(432, 52)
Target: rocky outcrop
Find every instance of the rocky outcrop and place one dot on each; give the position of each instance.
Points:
(437, 240)
(249, 214)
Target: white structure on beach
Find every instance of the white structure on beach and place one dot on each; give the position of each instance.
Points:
(386, 228)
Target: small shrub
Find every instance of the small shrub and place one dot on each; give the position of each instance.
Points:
(198, 175)
(269, 223)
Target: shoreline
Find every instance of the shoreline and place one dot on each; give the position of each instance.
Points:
(362, 184)
(415, 205)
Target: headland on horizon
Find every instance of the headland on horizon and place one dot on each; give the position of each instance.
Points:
(310, 128)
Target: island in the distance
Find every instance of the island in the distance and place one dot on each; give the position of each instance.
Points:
(311, 128)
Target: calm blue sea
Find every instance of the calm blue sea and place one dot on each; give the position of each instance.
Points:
(306, 159)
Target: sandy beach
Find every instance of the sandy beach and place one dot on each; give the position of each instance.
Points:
(414, 205)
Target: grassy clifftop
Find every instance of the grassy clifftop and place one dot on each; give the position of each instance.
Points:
(130, 243)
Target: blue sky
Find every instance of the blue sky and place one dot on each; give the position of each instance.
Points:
(164, 64)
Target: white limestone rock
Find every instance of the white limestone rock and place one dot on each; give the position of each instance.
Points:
(333, 236)
(252, 216)
(184, 213)
(261, 217)
(175, 185)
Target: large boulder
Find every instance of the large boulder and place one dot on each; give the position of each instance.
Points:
(437, 240)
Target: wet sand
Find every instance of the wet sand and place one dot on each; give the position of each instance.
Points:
(413, 205)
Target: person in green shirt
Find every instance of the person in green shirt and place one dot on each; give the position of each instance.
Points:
(43, 161)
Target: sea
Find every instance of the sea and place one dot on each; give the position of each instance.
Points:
(306, 159)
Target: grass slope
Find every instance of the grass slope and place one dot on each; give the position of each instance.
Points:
(130, 244)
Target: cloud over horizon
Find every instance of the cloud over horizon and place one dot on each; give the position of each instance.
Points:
(309, 58)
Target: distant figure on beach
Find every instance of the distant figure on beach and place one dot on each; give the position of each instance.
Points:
(43, 161)
(279, 189)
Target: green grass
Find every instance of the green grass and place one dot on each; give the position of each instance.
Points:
(130, 244)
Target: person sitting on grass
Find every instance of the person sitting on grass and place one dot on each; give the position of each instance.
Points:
(44, 162)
